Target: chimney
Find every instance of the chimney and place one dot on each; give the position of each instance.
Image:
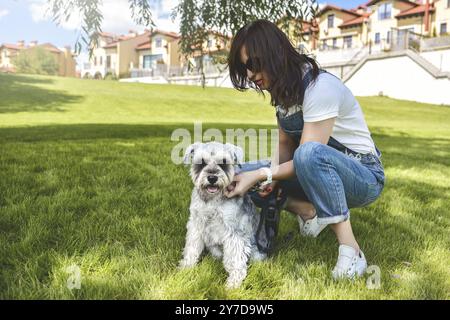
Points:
(33, 43)
(21, 43)
(427, 16)
(132, 33)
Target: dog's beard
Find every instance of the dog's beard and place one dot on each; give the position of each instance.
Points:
(212, 188)
(208, 189)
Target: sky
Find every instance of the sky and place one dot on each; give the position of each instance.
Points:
(29, 20)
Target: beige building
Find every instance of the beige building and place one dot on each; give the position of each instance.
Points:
(159, 53)
(134, 54)
(377, 23)
(441, 23)
(341, 28)
(64, 57)
(216, 45)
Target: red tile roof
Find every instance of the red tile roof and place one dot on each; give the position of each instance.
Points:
(144, 46)
(353, 22)
(419, 10)
(332, 7)
(166, 33)
(371, 3)
(12, 46)
(111, 45)
(49, 47)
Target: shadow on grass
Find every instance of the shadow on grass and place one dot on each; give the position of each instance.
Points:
(86, 170)
(20, 93)
(399, 149)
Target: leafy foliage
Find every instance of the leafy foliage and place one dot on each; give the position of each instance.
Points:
(36, 60)
(91, 14)
(224, 18)
(197, 17)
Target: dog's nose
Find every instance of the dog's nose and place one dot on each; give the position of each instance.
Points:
(212, 179)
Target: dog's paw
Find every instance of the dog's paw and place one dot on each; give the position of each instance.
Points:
(185, 264)
(257, 256)
(233, 283)
(235, 279)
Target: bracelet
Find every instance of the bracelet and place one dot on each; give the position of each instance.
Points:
(268, 173)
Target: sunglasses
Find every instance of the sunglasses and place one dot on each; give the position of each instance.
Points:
(249, 65)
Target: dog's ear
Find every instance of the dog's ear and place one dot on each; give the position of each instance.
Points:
(190, 152)
(236, 152)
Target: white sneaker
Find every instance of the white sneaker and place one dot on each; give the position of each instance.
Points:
(310, 228)
(349, 264)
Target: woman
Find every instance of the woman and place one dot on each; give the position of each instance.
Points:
(327, 161)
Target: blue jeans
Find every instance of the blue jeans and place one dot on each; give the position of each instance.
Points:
(331, 180)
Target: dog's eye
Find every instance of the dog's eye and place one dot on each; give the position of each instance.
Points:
(224, 164)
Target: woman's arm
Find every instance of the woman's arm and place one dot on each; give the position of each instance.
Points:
(286, 148)
(319, 131)
(284, 152)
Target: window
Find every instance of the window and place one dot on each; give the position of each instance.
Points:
(331, 21)
(348, 41)
(377, 38)
(108, 61)
(388, 37)
(150, 61)
(448, 3)
(209, 44)
(158, 43)
(334, 42)
(384, 11)
(443, 28)
(101, 60)
(147, 62)
(324, 44)
(95, 61)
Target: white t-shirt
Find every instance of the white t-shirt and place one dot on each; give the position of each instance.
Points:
(328, 97)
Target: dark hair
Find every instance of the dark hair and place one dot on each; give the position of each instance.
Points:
(271, 51)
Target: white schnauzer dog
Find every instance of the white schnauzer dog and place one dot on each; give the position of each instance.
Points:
(226, 227)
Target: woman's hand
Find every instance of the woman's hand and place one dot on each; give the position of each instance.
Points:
(243, 182)
(267, 189)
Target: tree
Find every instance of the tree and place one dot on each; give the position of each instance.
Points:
(92, 17)
(36, 60)
(197, 18)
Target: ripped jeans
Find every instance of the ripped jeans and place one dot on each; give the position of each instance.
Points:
(331, 180)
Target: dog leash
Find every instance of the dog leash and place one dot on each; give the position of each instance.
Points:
(269, 221)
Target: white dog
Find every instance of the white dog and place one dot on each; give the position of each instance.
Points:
(226, 227)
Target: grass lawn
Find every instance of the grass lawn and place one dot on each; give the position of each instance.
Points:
(86, 179)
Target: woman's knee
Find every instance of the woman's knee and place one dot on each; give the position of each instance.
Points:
(307, 155)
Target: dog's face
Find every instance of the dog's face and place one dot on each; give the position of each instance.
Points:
(212, 166)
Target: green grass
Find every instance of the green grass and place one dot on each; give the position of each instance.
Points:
(86, 179)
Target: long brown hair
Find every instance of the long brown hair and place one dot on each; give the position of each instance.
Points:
(271, 51)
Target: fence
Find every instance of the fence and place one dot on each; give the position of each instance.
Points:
(432, 43)
(166, 72)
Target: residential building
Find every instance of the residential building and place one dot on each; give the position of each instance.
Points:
(159, 53)
(63, 56)
(134, 54)
(441, 22)
(340, 28)
(216, 45)
(337, 35)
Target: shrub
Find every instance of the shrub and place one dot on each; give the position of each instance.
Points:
(36, 61)
(110, 76)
